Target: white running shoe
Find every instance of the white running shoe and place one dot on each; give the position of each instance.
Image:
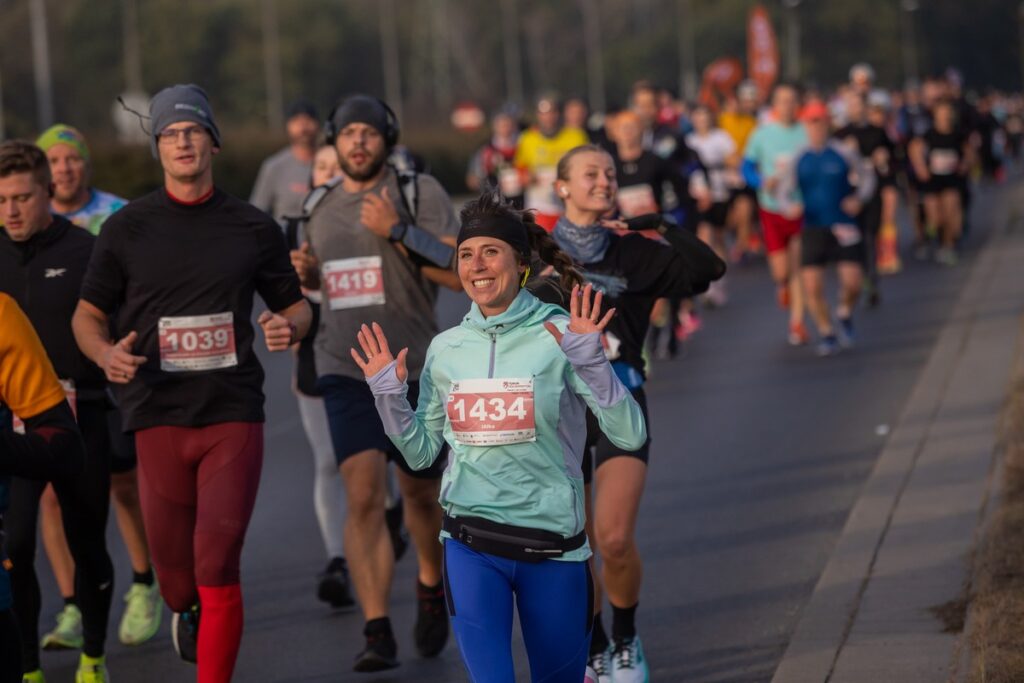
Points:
(601, 664)
(589, 676)
(628, 662)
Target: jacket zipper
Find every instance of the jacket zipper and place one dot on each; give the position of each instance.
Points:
(494, 344)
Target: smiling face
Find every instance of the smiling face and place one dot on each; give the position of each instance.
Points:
(591, 185)
(490, 272)
(70, 173)
(24, 206)
(361, 151)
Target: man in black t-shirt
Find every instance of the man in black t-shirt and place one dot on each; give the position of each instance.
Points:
(176, 271)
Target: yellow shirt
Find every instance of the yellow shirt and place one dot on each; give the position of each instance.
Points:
(738, 126)
(535, 150)
(28, 384)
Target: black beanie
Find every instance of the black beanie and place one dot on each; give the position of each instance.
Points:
(361, 109)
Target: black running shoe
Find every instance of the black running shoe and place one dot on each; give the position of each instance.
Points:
(431, 631)
(381, 654)
(333, 587)
(185, 633)
(399, 536)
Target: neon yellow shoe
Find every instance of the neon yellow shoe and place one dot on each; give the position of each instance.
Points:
(68, 634)
(33, 677)
(92, 670)
(142, 614)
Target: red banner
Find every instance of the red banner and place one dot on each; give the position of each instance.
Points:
(762, 50)
(719, 80)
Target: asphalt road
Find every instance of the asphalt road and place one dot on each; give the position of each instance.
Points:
(759, 453)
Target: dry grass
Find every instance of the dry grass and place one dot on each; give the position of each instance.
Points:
(996, 638)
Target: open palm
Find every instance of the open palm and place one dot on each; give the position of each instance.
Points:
(584, 313)
(376, 355)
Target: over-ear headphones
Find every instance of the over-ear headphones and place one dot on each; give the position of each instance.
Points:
(391, 132)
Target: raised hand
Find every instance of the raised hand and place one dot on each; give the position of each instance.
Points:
(119, 364)
(376, 355)
(378, 213)
(584, 314)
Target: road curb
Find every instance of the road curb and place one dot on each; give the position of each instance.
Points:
(863, 617)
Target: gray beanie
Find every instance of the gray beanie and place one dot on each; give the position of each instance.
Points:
(178, 103)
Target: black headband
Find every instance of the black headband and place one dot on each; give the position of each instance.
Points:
(508, 229)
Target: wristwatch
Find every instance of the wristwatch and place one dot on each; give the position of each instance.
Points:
(398, 231)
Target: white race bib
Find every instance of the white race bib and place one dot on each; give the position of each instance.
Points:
(354, 282)
(943, 161)
(69, 391)
(509, 182)
(847, 235)
(197, 342)
(637, 200)
(492, 412)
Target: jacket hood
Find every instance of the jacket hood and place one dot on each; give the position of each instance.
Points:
(525, 309)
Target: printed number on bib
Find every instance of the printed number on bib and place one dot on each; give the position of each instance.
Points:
(492, 412)
(847, 235)
(509, 182)
(354, 282)
(197, 342)
(636, 200)
(69, 391)
(943, 161)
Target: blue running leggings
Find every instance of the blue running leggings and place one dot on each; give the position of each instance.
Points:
(555, 603)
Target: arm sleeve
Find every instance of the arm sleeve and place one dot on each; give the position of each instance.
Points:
(276, 281)
(104, 282)
(418, 434)
(262, 191)
(590, 376)
(687, 266)
(51, 446)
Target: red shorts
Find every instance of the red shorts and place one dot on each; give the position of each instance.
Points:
(778, 230)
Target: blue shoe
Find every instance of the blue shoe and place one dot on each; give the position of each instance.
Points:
(847, 337)
(828, 346)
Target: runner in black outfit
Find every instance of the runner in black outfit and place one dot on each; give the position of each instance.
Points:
(633, 272)
(43, 259)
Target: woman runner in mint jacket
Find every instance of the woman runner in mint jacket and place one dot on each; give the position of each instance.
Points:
(508, 390)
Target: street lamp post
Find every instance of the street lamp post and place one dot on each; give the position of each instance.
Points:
(908, 7)
(687, 51)
(594, 57)
(513, 57)
(41, 64)
(792, 39)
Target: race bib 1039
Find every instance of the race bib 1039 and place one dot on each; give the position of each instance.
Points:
(197, 342)
(492, 412)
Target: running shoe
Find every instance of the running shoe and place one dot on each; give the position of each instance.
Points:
(431, 630)
(399, 536)
(185, 633)
(798, 334)
(828, 346)
(92, 670)
(333, 587)
(628, 662)
(33, 677)
(601, 664)
(590, 676)
(689, 325)
(946, 256)
(716, 296)
(142, 614)
(381, 653)
(68, 634)
(782, 296)
(847, 335)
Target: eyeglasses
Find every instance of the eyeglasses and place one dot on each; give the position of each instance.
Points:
(169, 136)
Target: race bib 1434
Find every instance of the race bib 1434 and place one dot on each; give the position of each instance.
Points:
(492, 412)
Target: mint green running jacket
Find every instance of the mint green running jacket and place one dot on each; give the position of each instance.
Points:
(511, 404)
